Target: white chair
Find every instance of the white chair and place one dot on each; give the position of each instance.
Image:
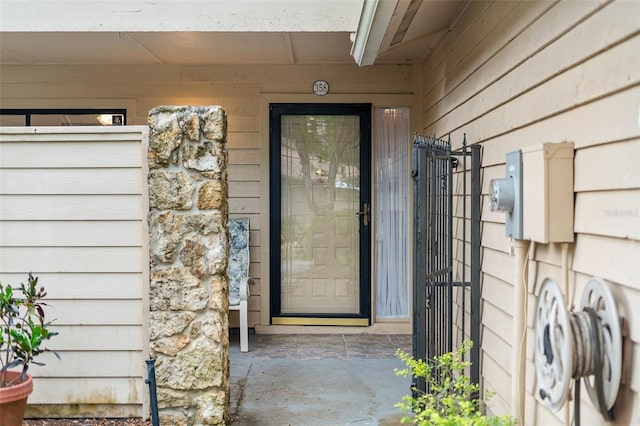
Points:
(238, 272)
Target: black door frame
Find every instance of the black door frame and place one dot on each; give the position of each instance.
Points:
(276, 111)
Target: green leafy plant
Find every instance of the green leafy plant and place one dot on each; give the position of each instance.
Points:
(451, 399)
(23, 327)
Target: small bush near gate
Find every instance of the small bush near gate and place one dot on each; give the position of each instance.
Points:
(452, 399)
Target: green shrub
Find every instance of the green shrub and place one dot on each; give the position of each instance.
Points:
(451, 399)
(23, 329)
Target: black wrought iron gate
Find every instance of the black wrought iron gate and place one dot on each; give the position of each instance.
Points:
(446, 276)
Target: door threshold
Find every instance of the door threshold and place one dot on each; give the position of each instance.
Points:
(378, 328)
(359, 322)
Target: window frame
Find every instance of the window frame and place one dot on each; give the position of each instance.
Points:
(28, 112)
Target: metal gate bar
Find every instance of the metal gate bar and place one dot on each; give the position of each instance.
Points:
(434, 279)
(476, 289)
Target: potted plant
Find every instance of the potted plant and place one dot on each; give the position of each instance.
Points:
(22, 332)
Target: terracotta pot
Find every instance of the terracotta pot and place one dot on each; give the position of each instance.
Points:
(13, 400)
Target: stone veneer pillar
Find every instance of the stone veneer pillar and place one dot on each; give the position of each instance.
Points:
(188, 203)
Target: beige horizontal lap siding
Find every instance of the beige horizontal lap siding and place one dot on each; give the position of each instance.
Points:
(240, 89)
(73, 206)
(513, 75)
(245, 201)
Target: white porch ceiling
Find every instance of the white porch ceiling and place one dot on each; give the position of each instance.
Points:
(236, 32)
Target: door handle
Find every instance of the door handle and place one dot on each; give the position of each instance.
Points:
(365, 213)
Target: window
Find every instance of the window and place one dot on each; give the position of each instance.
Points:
(63, 117)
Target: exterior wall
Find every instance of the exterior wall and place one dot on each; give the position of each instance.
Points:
(73, 205)
(516, 74)
(243, 91)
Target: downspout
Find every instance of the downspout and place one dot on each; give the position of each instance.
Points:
(565, 274)
(518, 353)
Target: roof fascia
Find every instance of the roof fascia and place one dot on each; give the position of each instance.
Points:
(374, 21)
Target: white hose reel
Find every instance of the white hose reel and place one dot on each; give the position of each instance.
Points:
(567, 346)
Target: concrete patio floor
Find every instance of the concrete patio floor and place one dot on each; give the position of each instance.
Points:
(311, 379)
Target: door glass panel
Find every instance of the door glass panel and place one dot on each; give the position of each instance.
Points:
(320, 196)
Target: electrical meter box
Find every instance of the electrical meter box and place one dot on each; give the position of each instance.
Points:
(547, 190)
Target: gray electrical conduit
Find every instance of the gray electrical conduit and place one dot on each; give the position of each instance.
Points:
(518, 353)
(565, 289)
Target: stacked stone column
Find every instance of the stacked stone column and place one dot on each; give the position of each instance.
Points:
(188, 203)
